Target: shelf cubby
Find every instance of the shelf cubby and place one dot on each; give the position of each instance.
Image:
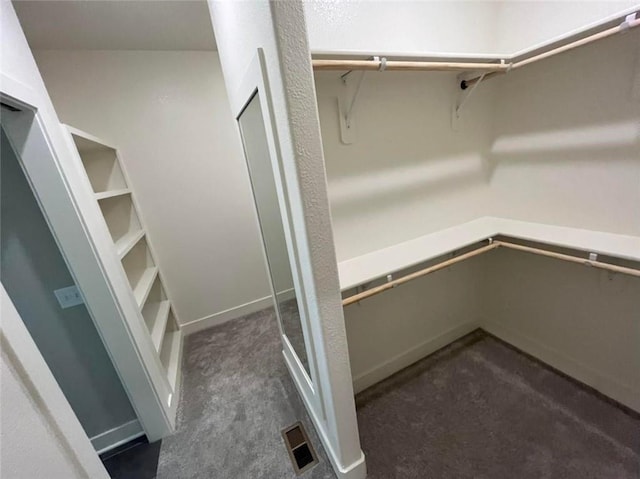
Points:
(141, 271)
(170, 353)
(112, 193)
(101, 164)
(156, 313)
(107, 185)
(122, 221)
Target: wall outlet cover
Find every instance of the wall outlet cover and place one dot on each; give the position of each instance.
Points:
(69, 296)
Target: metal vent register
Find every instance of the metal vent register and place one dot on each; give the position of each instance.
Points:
(301, 452)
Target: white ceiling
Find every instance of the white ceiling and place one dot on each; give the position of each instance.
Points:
(116, 24)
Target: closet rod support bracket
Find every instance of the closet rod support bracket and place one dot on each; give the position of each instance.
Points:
(347, 107)
(459, 105)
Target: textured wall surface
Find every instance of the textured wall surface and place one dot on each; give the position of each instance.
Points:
(459, 27)
(390, 26)
(278, 28)
(408, 173)
(25, 429)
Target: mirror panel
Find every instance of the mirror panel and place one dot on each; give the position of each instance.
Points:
(265, 194)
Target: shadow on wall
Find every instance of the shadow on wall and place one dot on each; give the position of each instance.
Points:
(406, 150)
(581, 106)
(567, 148)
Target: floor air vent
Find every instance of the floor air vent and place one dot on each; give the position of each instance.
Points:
(300, 450)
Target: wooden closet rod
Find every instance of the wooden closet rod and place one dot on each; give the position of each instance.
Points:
(627, 25)
(492, 245)
(572, 259)
(488, 69)
(407, 66)
(423, 272)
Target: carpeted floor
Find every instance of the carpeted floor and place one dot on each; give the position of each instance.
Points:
(236, 397)
(476, 409)
(479, 409)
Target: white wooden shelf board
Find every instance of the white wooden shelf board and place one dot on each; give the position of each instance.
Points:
(110, 194)
(143, 288)
(378, 264)
(156, 316)
(170, 355)
(128, 241)
(609, 244)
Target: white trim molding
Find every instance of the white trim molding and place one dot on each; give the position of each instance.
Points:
(119, 435)
(222, 317)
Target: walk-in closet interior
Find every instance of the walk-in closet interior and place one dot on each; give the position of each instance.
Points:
(499, 196)
(410, 228)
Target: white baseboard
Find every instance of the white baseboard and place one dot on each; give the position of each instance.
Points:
(287, 294)
(226, 315)
(117, 436)
(407, 358)
(607, 385)
(356, 470)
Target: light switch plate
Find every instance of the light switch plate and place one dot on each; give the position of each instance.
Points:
(69, 296)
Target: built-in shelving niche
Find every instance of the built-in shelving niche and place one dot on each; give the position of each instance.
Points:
(114, 196)
(156, 312)
(122, 221)
(141, 271)
(171, 350)
(101, 164)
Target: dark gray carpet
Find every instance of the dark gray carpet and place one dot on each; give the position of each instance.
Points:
(479, 409)
(236, 397)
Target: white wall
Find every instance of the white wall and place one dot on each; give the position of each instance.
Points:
(566, 149)
(32, 267)
(555, 142)
(523, 24)
(390, 331)
(402, 26)
(408, 172)
(583, 321)
(462, 26)
(168, 115)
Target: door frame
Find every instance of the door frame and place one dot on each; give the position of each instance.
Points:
(24, 359)
(44, 154)
(255, 82)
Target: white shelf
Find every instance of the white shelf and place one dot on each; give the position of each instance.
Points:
(155, 312)
(121, 218)
(111, 193)
(116, 203)
(143, 287)
(136, 262)
(171, 353)
(128, 241)
(100, 162)
(156, 316)
(378, 264)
